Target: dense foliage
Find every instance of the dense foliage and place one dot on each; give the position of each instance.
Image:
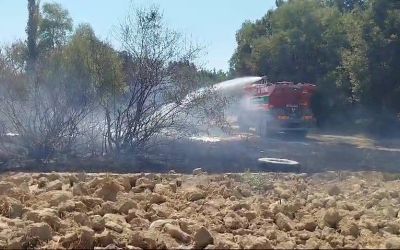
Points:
(349, 48)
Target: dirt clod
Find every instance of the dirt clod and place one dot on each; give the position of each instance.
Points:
(195, 194)
(41, 230)
(54, 185)
(331, 217)
(177, 233)
(202, 238)
(108, 191)
(283, 222)
(392, 243)
(334, 190)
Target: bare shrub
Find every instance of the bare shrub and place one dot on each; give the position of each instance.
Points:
(46, 118)
(158, 99)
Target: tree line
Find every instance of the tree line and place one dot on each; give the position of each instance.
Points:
(349, 48)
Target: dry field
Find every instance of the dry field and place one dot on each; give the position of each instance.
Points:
(139, 211)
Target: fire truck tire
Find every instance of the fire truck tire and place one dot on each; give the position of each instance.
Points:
(278, 165)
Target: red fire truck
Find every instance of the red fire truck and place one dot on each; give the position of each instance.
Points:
(276, 107)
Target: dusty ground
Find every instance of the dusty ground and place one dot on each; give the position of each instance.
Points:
(325, 210)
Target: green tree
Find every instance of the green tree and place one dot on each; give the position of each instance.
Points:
(371, 61)
(55, 24)
(32, 33)
(241, 62)
(279, 3)
(91, 68)
(208, 77)
(346, 5)
(349, 48)
(298, 41)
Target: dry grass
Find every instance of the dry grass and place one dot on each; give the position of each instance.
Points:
(257, 182)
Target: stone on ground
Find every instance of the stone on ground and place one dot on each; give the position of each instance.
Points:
(202, 238)
(40, 230)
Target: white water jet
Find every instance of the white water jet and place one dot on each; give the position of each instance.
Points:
(236, 84)
(225, 88)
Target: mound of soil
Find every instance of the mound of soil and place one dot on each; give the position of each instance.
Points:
(253, 211)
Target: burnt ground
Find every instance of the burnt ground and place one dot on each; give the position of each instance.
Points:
(316, 153)
(239, 152)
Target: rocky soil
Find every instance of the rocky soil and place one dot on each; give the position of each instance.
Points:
(254, 211)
